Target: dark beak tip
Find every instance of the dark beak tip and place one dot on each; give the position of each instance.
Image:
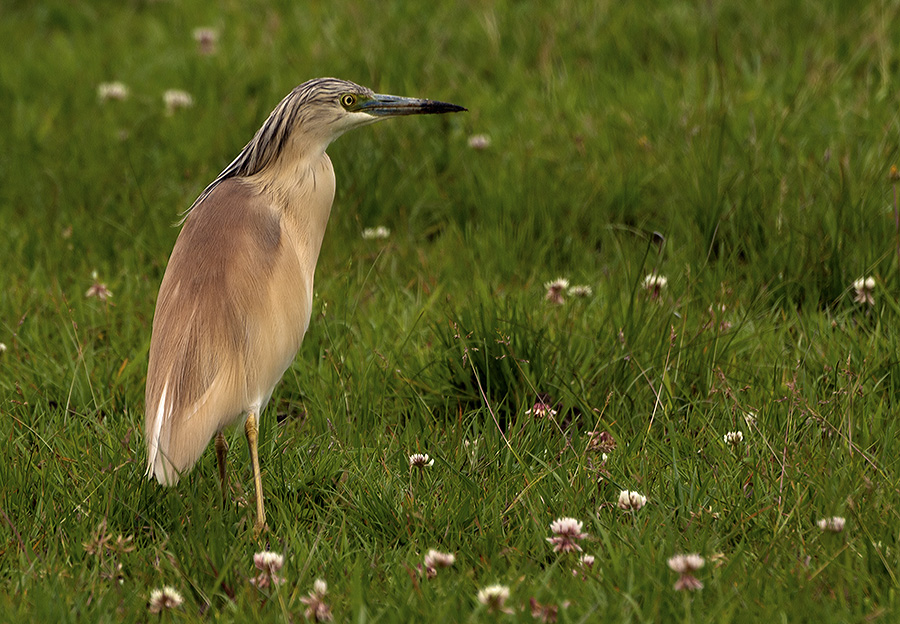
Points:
(444, 107)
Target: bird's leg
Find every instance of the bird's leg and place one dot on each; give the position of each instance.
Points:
(221, 453)
(251, 429)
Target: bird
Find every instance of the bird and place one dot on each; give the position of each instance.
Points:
(236, 297)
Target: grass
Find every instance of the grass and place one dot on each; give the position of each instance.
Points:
(742, 152)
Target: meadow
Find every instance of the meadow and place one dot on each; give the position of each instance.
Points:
(742, 151)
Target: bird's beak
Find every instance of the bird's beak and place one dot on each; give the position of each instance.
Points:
(393, 106)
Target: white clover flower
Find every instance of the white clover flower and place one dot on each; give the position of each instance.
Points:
(601, 441)
(494, 597)
(655, 281)
(686, 563)
(175, 99)
(654, 284)
(317, 610)
(376, 233)
(865, 289)
(567, 526)
(835, 524)
(685, 566)
(544, 612)
(631, 501)
(585, 565)
(98, 290)
(555, 290)
(268, 561)
(2, 348)
(479, 141)
(163, 599)
(733, 438)
(540, 409)
(112, 91)
(206, 39)
(269, 564)
(565, 532)
(437, 559)
(560, 283)
(420, 460)
(582, 291)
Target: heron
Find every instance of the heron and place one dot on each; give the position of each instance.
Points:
(236, 297)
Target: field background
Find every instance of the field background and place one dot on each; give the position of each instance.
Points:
(742, 150)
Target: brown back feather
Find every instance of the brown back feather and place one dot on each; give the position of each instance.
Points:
(210, 349)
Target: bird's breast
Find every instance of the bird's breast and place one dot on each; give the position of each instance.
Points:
(305, 194)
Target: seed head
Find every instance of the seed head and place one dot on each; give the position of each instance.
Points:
(100, 541)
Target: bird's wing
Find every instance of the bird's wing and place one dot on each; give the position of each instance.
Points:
(224, 331)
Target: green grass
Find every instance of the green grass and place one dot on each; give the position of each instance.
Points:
(741, 151)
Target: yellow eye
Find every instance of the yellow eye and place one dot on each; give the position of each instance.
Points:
(348, 100)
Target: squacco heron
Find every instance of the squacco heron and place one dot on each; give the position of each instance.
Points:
(236, 297)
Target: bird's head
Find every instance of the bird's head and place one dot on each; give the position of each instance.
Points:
(328, 107)
(314, 114)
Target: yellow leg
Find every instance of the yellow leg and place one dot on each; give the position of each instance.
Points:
(221, 454)
(252, 431)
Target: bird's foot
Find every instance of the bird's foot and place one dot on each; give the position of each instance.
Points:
(259, 528)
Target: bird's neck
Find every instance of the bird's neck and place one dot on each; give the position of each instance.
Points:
(301, 190)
